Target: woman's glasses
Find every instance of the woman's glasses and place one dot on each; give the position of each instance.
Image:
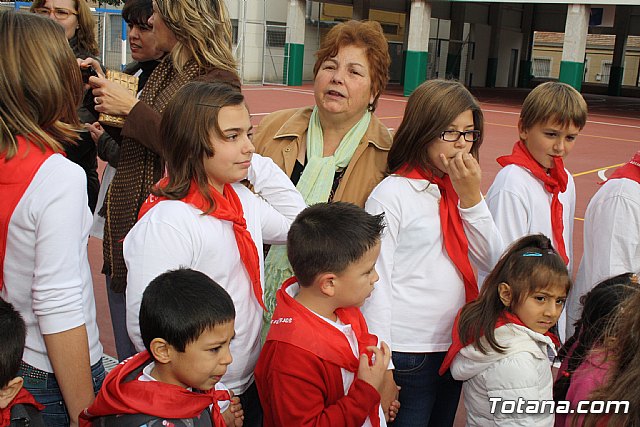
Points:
(454, 135)
(59, 12)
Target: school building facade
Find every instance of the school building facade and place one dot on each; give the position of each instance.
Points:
(488, 43)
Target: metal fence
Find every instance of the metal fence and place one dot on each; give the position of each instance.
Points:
(111, 34)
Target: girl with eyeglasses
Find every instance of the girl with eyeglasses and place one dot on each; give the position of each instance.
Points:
(76, 19)
(437, 226)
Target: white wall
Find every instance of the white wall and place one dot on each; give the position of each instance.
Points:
(508, 40)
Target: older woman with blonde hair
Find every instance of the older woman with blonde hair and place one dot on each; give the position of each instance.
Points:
(197, 37)
(44, 218)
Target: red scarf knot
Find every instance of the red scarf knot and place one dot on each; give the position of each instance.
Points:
(227, 208)
(121, 394)
(455, 239)
(555, 182)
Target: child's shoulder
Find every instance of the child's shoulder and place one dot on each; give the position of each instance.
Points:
(396, 186)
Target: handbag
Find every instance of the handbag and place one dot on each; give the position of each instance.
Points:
(131, 84)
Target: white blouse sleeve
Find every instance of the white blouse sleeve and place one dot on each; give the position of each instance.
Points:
(59, 212)
(150, 249)
(377, 308)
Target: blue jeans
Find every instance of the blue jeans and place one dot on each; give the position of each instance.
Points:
(251, 406)
(118, 311)
(44, 387)
(426, 398)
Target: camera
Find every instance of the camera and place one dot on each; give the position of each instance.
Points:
(86, 73)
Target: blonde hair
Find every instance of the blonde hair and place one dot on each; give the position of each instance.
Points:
(203, 32)
(554, 101)
(86, 31)
(40, 84)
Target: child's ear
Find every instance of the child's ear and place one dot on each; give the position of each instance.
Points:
(8, 392)
(522, 132)
(161, 350)
(504, 292)
(326, 284)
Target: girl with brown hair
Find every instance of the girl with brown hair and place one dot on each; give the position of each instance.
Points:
(437, 225)
(44, 218)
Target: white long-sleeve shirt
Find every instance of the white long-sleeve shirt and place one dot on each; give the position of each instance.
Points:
(420, 290)
(611, 240)
(520, 205)
(174, 234)
(46, 266)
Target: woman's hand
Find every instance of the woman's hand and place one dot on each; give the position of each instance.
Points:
(465, 175)
(111, 98)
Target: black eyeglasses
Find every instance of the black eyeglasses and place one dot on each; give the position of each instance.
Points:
(59, 12)
(454, 135)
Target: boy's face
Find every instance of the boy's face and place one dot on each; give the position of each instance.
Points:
(203, 361)
(355, 283)
(548, 140)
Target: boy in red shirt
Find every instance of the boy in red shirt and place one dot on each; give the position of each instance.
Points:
(319, 365)
(187, 323)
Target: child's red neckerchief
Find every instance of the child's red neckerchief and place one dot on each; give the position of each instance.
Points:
(455, 240)
(294, 324)
(15, 176)
(456, 345)
(23, 397)
(227, 208)
(555, 182)
(630, 170)
(121, 394)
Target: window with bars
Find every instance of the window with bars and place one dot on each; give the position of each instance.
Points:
(541, 67)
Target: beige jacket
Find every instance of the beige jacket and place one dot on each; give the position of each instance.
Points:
(279, 136)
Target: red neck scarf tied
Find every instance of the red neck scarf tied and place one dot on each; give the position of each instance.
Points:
(227, 208)
(15, 176)
(456, 345)
(455, 240)
(294, 324)
(121, 394)
(22, 398)
(555, 182)
(630, 170)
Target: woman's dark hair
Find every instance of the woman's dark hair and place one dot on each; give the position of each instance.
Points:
(530, 264)
(137, 12)
(600, 306)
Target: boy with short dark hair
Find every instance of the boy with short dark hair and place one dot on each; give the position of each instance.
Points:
(186, 323)
(319, 365)
(17, 405)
